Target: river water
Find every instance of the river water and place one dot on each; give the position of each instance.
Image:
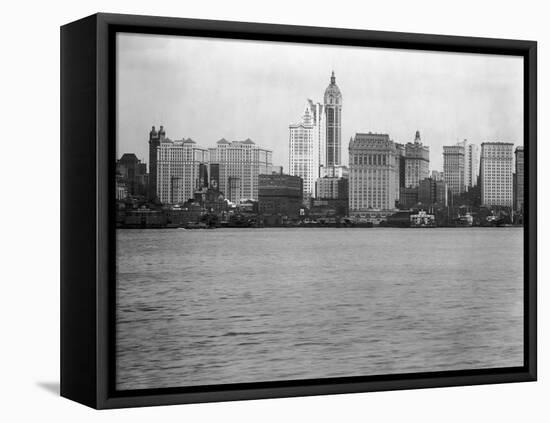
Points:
(200, 307)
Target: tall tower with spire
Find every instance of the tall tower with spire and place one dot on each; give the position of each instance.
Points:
(304, 150)
(155, 138)
(417, 162)
(333, 124)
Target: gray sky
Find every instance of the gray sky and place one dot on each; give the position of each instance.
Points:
(208, 89)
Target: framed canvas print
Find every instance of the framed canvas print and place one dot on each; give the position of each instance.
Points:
(255, 211)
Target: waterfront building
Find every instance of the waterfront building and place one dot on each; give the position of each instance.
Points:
(432, 192)
(142, 218)
(155, 138)
(333, 124)
(304, 151)
(239, 163)
(408, 197)
(121, 191)
(211, 200)
(417, 162)
(373, 174)
(400, 219)
(207, 193)
(280, 195)
(180, 165)
(519, 179)
(332, 188)
(496, 173)
(332, 192)
(453, 167)
(133, 173)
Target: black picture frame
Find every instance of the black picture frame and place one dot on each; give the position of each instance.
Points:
(87, 223)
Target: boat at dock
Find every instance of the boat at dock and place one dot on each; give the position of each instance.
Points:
(196, 225)
(465, 220)
(422, 220)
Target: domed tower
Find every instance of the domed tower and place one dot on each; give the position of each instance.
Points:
(333, 119)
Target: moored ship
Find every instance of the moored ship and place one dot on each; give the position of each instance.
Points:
(465, 220)
(422, 220)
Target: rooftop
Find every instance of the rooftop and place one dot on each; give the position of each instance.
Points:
(129, 157)
(496, 143)
(371, 140)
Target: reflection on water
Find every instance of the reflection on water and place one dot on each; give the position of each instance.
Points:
(248, 305)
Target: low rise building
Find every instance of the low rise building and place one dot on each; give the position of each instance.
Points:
(121, 191)
(332, 188)
(408, 197)
(280, 196)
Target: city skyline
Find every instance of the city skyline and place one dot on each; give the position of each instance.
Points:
(197, 100)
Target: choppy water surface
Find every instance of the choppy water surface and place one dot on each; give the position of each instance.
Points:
(247, 305)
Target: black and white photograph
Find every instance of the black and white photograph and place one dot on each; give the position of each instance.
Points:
(248, 212)
(290, 211)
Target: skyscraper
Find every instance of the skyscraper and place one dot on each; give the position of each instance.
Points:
(304, 151)
(417, 162)
(333, 122)
(453, 167)
(240, 164)
(315, 143)
(179, 169)
(373, 173)
(319, 132)
(496, 173)
(471, 165)
(155, 139)
(400, 148)
(520, 176)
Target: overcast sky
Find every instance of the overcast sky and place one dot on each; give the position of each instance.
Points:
(207, 89)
